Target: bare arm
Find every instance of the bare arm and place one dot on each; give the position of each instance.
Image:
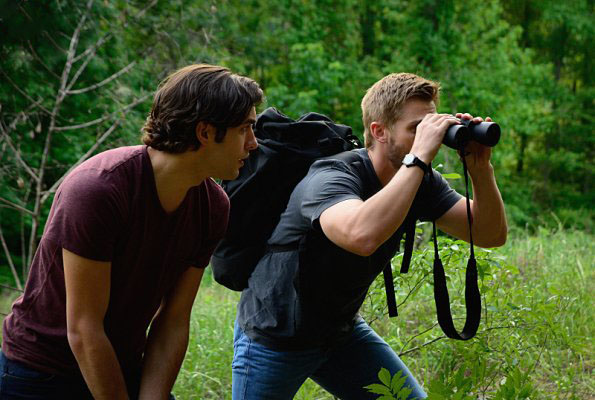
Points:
(362, 226)
(487, 209)
(87, 298)
(168, 337)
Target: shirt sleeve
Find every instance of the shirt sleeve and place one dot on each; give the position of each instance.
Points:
(218, 219)
(328, 185)
(435, 197)
(86, 215)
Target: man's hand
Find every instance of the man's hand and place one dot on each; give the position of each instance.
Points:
(429, 135)
(477, 155)
(487, 208)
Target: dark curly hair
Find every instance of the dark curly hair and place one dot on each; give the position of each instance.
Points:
(196, 93)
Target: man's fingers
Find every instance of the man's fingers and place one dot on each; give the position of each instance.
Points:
(446, 122)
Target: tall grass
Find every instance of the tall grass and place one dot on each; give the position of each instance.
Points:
(535, 340)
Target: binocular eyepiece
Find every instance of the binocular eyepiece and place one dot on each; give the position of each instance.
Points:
(486, 133)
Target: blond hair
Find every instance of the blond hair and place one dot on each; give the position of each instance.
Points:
(384, 101)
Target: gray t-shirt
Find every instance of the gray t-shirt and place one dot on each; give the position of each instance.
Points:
(308, 291)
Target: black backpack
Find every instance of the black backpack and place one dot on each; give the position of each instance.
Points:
(259, 195)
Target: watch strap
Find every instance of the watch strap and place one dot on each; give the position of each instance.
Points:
(418, 163)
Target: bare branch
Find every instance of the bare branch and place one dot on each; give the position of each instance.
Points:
(71, 53)
(444, 337)
(16, 206)
(92, 149)
(54, 42)
(83, 66)
(17, 153)
(25, 12)
(48, 139)
(108, 36)
(417, 335)
(144, 10)
(36, 56)
(105, 81)
(102, 119)
(421, 346)
(417, 284)
(93, 49)
(9, 288)
(10, 263)
(37, 103)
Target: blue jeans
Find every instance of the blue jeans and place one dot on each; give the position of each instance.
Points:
(260, 373)
(19, 382)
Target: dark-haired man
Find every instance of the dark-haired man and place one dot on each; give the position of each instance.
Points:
(299, 318)
(128, 237)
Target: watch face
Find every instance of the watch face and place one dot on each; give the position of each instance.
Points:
(408, 159)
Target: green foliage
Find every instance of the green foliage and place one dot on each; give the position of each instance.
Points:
(390, 387)
(525, 63)
(534, 338)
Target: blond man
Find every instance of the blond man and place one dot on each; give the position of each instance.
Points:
(299, 318)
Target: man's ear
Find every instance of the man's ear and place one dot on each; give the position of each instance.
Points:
(379, 132)
(204, 133)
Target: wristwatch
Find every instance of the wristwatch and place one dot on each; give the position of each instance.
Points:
(411, 160)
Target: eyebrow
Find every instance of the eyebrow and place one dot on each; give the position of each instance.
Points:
(249, 121)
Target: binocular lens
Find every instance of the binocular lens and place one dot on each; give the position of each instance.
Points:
(486, 133)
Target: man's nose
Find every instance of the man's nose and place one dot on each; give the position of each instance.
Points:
(251, 142)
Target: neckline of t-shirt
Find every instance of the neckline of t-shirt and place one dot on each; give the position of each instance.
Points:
(150, 180)
(370, 168)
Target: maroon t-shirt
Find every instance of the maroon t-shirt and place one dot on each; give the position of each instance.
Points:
(107, 209)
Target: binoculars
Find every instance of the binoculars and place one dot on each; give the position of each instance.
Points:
(486, 133)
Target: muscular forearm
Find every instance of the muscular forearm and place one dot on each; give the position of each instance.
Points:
(98, 363)
(166, 347)
(489, 218)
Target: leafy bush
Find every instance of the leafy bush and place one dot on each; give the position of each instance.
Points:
(535, 337)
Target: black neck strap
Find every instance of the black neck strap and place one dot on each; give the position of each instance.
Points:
(472, 296)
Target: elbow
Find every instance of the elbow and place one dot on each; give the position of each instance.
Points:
(363, 245)
(80, 336)
(75, 340)
(497, 240)
(500, 240)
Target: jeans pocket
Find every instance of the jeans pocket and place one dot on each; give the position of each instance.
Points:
(21, 372)
(21, 382)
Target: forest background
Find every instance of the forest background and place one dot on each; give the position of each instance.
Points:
(77, 77)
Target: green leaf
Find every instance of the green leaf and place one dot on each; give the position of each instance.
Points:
(452, 175)
(378, 389)
(404, 393)
(398, 381)
(384, 376)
